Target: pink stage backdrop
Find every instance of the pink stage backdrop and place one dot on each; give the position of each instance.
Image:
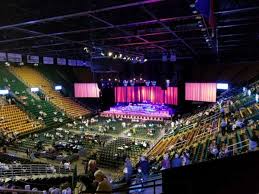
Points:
(204, 92)
(152, 94)
(86, 90)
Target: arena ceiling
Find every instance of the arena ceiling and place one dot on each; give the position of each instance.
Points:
(150, 28)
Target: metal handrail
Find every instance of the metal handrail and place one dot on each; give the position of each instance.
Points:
(13, 170)
(4, 190)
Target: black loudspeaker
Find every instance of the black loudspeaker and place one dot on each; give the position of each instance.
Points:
(164, 86)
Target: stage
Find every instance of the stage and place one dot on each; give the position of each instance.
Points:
(140, 111)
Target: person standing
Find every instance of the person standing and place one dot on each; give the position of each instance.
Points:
(128, 169)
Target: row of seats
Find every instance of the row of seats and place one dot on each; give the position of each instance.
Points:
(15, 120)
(35, 79)
(29, 102)
(199, 137)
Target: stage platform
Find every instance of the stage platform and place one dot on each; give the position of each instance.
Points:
(140, 111)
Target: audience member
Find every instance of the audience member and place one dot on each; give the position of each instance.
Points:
(177, 161)
(104, 187)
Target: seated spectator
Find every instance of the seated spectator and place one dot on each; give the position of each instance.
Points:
(253, 142)
(223, 151)
(103, 183)
(177, 161)
(165, 162)
(213, 150)
(223, 127)
(239, 124)
(186, 159)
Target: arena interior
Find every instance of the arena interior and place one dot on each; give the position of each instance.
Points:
(129, 96)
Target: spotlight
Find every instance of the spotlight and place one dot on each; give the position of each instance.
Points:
(109, 79)
(124, 58)
(36, 64)
(21, 64)
(86, 49)
(200, 24)
(115, 79)
(120, 56)
(7, 64)
(110, 54)
(207, 40)
(198, 17)
(102, 53)
(192, 5)
(115, 56)
(203, 29)
(194, 11)
(145, 60)
(128, 58)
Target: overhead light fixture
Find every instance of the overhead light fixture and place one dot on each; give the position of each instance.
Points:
(86, 49)
(192, 5)
(110, 54)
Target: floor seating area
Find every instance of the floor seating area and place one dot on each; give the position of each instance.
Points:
(67, 105)
(113, 154)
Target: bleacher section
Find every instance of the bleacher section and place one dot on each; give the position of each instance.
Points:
(33, 78)
(196, 138)
(29, 102)
(14, 120)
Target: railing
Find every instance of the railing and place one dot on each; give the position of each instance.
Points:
(152, 184)
(3, 190)
(14, 170)
(242, 144)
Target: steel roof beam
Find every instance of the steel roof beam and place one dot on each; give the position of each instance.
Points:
(80, 14)
(169, 30)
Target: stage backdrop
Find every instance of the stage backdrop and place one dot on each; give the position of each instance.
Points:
(204, 92)
(86, 90)
(152, 94)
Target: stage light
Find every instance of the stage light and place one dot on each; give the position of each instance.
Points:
(36, 64)
(194, 11)
(115, 79)
(147, 83)
(124, 58)
(115, 56)
(198, 17)
(153, 83)
(102, 53)
(145, 60)
(110, 54)
(120, 56)
(21, 64)
(207, 39)
(200, 24)
(109, 79)
(7, 64)
(172, 57)
(140, 78)
(192, 5)
(86, 50)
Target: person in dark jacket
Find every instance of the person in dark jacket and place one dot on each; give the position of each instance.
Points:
(143, 167)
(177, 161)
